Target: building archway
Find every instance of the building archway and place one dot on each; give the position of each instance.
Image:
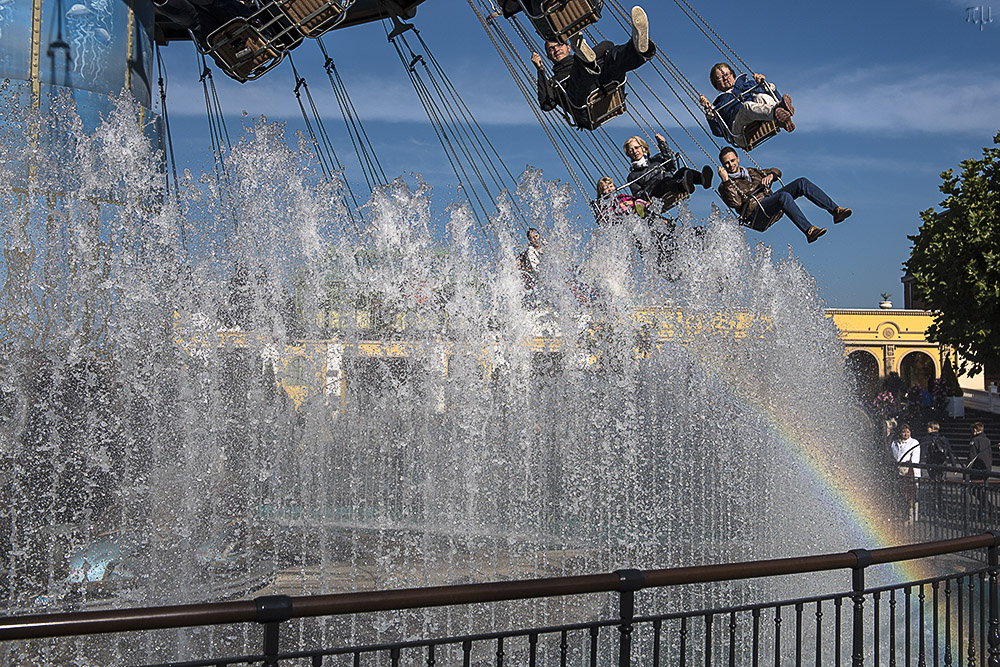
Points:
(862, 373)
(917, 368)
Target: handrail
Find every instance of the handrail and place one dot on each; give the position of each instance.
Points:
(964, 471)
(268, 609)
(987, 401)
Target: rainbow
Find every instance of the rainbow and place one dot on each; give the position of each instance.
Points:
(862, 512)
(860, 509)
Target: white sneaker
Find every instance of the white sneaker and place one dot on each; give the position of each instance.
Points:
(582, 49)
(640, 30)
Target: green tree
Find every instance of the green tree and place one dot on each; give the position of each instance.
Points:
(955, 262)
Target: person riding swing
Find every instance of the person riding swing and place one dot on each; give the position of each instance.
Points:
(584, 77)
(747, 191)
(658, 176)
(748, 109)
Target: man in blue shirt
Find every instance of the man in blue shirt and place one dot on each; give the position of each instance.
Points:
(744, 100)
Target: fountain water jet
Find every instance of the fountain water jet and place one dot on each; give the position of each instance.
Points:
(447, 429)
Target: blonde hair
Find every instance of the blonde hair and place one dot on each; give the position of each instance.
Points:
(604, 180)
(639, 140)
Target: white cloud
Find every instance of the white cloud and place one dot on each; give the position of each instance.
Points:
(375, 99)
(887, 100)
(871, 100)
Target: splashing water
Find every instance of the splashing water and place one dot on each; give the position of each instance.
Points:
(242, 392)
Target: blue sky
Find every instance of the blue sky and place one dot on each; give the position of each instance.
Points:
(888, 95)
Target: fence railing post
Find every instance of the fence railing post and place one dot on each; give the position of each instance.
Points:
(272, 611)
(994, 636)
(858, 588)
(631, 581)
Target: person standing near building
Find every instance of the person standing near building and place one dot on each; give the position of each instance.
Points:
(937, 450)
(533, 255)
(529, 261)
(937, 453)
(980, 465)
(980, 454)
(906, 450)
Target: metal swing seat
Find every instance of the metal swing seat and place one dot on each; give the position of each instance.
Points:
(653, 212)
(674, 198)
(241, 51)
(248, 47)
(753, 134)
(671, 199)
(315, 17)
(602, 105)
(756, 133)
(565, 17)
(760, 226)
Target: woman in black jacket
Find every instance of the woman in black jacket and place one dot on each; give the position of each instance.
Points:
(658, 175)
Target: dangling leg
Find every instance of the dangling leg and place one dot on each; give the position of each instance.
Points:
(803, 187)
(672, 184)
(702, 178)
(582, 50)
(759, 107)
(623, 58)
(780, 105)
(782, 200)
(688, 179)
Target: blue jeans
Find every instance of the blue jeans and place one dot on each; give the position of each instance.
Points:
(784, 200)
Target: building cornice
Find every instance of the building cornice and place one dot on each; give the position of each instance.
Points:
(880, 311)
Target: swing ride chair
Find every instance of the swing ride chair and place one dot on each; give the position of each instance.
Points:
(602, 105)
(761, 226)
(315, 17)
(564, 17)
(753, 134)
(241, 51)
(674, 198)
(667, 202)
(247, 48)
(661, 205)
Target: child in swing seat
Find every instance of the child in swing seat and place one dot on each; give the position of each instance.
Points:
(612, 207)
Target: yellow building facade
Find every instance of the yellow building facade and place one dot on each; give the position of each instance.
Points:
(879, 341)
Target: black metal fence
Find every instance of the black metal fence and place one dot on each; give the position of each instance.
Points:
(944, 620)
(948, 502)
